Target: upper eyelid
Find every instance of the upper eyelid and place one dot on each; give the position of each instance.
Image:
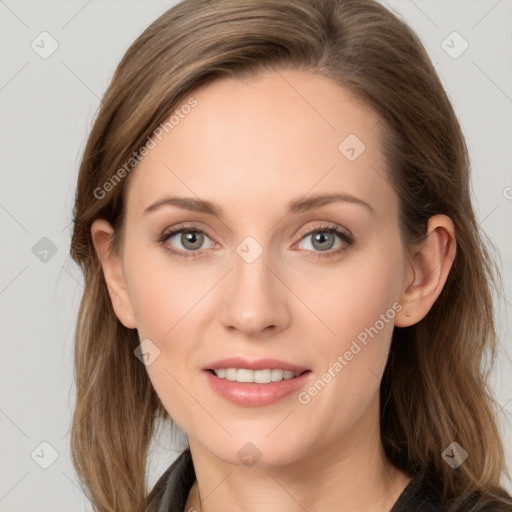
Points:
(179, 228)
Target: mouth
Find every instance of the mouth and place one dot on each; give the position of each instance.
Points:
(265, 376)
(255, 383)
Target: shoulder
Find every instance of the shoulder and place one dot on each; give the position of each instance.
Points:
(170, 492)
(424, 494)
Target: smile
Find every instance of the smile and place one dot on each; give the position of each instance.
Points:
(255, 383)
(264, 376)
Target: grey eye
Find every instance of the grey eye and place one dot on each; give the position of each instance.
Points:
(190, 240)
(321, 240)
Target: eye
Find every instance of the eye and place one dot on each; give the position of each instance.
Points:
(323, 239)
(190, 238)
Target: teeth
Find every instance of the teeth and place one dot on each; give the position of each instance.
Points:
(255, 376)
(277, 375)
(231, 374)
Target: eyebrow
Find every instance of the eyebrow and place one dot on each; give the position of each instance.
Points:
(299, 205)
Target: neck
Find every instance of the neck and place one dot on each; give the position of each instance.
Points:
(351, 473)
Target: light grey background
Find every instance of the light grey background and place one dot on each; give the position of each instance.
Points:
(46, 109)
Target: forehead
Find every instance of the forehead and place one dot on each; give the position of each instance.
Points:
(265, 140)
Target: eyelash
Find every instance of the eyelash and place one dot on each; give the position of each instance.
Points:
(326, 228)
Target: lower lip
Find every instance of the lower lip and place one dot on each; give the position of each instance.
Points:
(250, 394)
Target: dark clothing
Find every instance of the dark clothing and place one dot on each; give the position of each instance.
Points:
(171, 491)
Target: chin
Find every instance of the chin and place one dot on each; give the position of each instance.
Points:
(259, 452)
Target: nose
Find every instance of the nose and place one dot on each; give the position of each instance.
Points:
(255, 300)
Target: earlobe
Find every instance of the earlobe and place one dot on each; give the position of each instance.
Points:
(431, 264)
(111, 263)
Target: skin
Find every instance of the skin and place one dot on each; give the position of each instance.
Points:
(251, 147)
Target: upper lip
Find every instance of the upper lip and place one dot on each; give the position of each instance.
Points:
(257, 364)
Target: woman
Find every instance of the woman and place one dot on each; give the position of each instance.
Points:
(280, 253)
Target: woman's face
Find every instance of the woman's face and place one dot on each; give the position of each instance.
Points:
(260, 284)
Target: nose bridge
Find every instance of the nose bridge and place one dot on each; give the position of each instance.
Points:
(255, 299)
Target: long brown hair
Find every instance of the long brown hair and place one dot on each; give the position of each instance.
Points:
(434, 390)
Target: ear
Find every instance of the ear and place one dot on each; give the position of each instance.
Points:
(112, 265)
(430, 264)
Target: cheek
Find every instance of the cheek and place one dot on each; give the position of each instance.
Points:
(159, 304)
(163, 292)
(358, 304)
(353, 294)
(168, 301)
